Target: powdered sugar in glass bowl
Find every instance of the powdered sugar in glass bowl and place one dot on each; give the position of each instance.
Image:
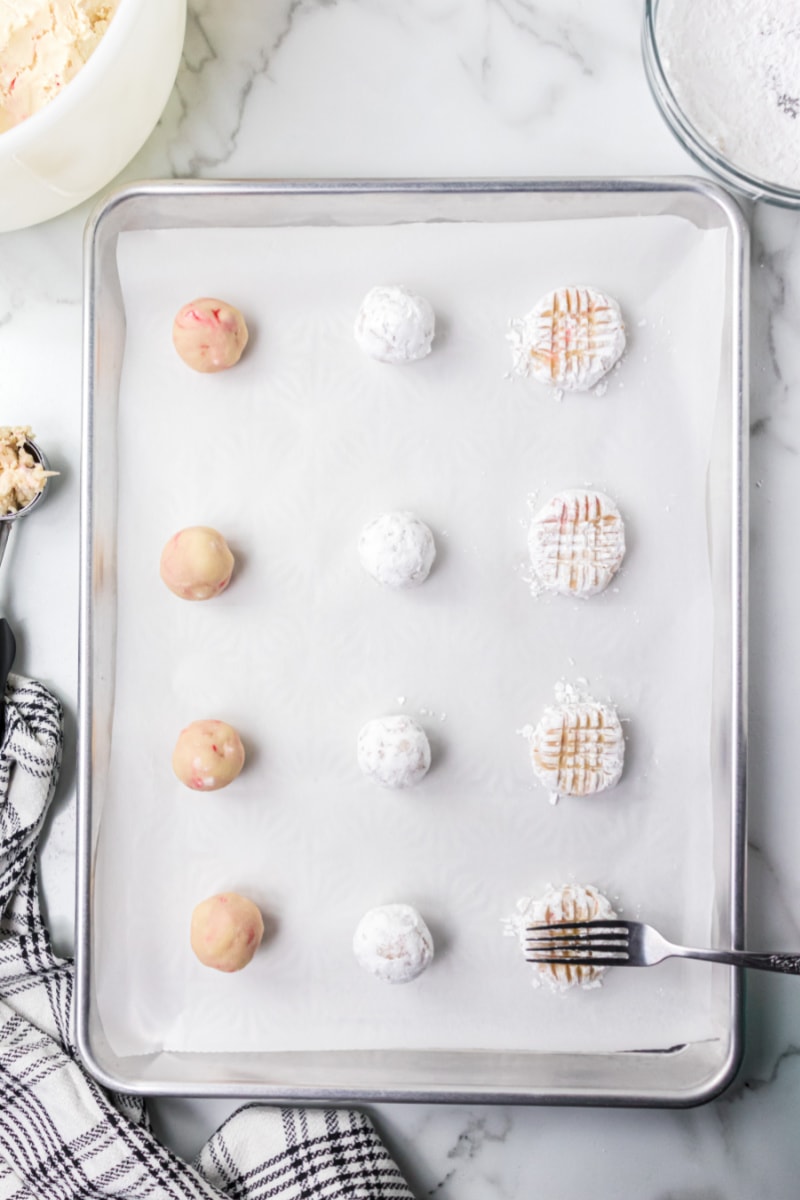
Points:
(726, 77)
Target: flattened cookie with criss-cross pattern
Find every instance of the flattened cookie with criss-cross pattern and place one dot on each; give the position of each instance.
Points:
(570, 340)
(576, 543)
(578, 748)
(568, 903)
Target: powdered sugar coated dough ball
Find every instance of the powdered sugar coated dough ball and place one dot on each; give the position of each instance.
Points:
(395, 326)
(394, 751)
(393, 943)
(226, 931)
(397, 550)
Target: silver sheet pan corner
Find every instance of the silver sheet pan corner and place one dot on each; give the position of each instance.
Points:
(682, 1075)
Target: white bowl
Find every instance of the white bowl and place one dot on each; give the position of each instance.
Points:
(86, 135)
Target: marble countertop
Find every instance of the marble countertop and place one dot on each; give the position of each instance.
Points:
(466, 88)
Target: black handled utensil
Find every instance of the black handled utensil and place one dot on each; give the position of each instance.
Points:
(8, 650)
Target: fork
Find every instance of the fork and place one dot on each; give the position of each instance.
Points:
(602, 943)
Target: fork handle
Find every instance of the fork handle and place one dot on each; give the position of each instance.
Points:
(787, 964)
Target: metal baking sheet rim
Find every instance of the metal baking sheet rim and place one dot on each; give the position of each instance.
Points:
(100, 236)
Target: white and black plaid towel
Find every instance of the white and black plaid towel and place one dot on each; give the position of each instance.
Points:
(61, 1136)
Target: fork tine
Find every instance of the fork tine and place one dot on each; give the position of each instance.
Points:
(577, 934)
(581, 926)
(588, 945)
(581, 960)
(536, 938)
(578, 943)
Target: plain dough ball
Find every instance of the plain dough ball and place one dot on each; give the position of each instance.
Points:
(197, 564)
(208, 755)
(226, 931)
(393, 943)
(394, 751)
(209, 335)
(397, 550)
(395, 326)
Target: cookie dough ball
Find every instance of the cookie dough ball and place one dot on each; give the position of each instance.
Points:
(226, 931)
(393, 943)
(208, 755)
(197, 564)
(394, 751)
(397, 549)
(395, 326)
(209, 335)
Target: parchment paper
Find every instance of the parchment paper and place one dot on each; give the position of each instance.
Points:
(288, 455)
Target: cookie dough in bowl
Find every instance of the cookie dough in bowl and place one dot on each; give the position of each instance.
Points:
(397, 550)
(42, 47)
(226, 931)
(95, 118)
(394, 751)
(395, 326)
(209, 335)
(393, 943)
(197, 563)
(208, 755)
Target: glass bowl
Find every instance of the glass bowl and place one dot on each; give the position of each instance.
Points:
(688, 135)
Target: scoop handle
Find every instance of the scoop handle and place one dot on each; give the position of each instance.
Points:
(8, 650)
(5, 534)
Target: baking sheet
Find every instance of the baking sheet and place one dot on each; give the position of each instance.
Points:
(289, 455)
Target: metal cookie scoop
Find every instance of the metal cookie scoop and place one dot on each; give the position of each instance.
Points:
(7, 519)
(8, 645)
